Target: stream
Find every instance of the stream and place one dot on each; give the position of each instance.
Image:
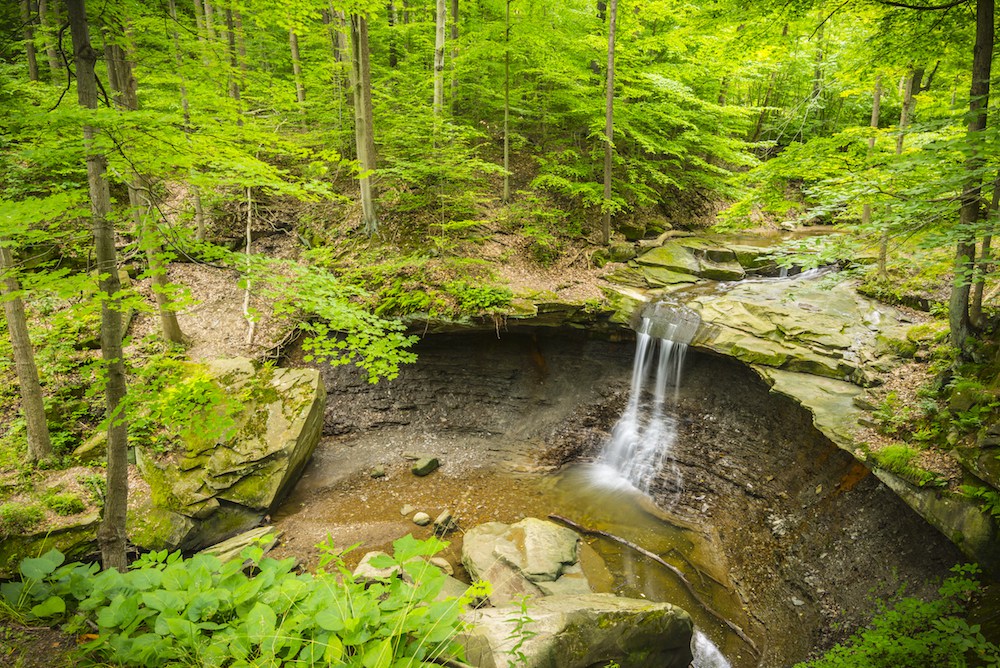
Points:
(770, 525)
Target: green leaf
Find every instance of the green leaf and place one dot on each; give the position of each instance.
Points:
(378, 655)
(52, 606)
(261, 623)
(37, 568)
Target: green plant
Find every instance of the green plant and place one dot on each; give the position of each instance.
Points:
(898, 459)
(520, 634)
(63, 503)
(167, 610)
(16, 518)
(476, 299)
(96, 486)
(988, 497)
(913, 632)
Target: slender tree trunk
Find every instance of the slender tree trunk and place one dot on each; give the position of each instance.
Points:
(27, 19)
(45, 20)
(363, 131)
(440, 19)
(124, 87)
(506, 105)
(300, 90)
(454, 52)
(199, 17)
(247, 314)
(234, 82)
(111, 534)
(985, 265)
(390, 11)
(609, 123)
(210, 22)
(866, 212)
(965, 249)
(241, 46)
(911, 87)
(39, 444)
(199, 211)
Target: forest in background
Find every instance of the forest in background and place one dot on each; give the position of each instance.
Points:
(392, 137)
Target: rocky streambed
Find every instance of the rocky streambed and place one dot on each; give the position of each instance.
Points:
(797, 534)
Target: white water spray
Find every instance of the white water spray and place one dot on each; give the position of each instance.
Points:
(706, 654)
(641, 444)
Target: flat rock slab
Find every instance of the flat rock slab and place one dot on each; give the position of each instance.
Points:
(580, 631)
(532, 557)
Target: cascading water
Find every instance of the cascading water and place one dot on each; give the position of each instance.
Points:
(641, 442)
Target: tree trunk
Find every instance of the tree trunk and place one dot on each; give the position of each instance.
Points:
(454, 52)
(39, 444)
(609, 123)
(506, 106)
(911, 87)
(111, 534)
(440, 19)
(985, 265)
(300, 90)
(363, 131)
(965, 249)
(199, 212)
(45, 19)
(390, 11)
(866, 212)
(29, 39)
(234, 83)
(210, 22)
(199, 17)
(124, 87)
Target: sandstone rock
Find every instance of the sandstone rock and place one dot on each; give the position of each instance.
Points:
(368, 573)
(531, 557)
(425, 466)
(406, 510)
(377, 472)
(444, 523)
(266, 537)
(227, 482)
(74, 540)
(443, 564)
(580, 632)
(422, 519)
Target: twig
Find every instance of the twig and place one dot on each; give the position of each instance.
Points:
(673, 569)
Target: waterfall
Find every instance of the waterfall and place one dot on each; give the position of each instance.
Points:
(641, 442)
(706, 654)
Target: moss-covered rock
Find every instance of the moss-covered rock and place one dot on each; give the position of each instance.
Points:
(74, 540)
(580, 632)
(225, 484)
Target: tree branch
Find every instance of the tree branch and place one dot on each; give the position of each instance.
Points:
(906, 5)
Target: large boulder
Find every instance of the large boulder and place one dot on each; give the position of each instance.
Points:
(75, 540)
(695, 256)
(532, 557)
(579, 631)
(213, 488)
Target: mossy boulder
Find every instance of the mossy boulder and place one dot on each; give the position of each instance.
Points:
(227, 483)
(75, 540)
(581, 631)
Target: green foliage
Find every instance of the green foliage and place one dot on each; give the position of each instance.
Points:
(167, 610)
(65, 503)
(96, 486)
(898, 459)
(478, 299)
(930, 634)
(173, 401)
(17, 518)
(520, 634)
(989, 498)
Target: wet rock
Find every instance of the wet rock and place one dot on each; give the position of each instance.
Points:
(366, 572)
(421, 519)
(425, 466)
(443, 564)
(531, 557)
(580, 632)
(378, 472)
(444, 523)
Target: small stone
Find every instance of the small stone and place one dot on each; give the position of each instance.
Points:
(443, 564)
(798, 602)
(425, 466)
(378, 472)
(406, 510)
(421, 519)
(444, 523)
(413, 456)
(819, 489)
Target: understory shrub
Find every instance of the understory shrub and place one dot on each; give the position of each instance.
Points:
(929, 634)
(200, 611)
(17, 518)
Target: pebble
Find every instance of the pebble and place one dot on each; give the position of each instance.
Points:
(378, 472)
(421, 519)
(443, 564)
(798, 602)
